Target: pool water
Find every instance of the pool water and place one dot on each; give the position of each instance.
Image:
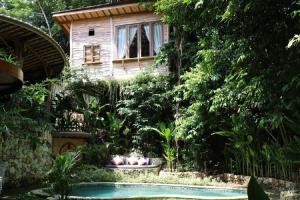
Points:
(152, 190)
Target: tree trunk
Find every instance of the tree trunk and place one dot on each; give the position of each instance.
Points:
(45, 17)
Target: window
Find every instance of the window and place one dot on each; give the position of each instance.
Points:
(91, 32)
(133, 41)
(139, 40)
(145, 40)
(157, 37)
(92, 54)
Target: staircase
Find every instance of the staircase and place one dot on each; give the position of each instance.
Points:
(2, 170)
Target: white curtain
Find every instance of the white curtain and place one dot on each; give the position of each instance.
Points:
(147, 30)
(132, 33)
(121, 45)
(157, 34)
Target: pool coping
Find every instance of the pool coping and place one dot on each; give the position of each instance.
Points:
(41, 192)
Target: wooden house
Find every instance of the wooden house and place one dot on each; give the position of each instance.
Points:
(114, 40)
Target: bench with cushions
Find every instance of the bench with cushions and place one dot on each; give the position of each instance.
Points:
(133, 162)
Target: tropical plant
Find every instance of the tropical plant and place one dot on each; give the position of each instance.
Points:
(232, 78)
(7, 57)
(60, 174)
(117, 132)
(24, 115)
(168, 135)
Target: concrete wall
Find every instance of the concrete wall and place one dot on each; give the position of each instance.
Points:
(62, 142)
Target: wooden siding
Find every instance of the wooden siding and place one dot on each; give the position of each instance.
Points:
(104, 37)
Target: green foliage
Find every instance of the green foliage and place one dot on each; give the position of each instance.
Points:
(92, 174)
(168, 136)
(24, 114)
(60, 173)
(96, 154)
(146, 101)
(7, 57)
(243, 84)
(255, 191)
(117, 133)
(90, 99)
(97, 151)
(86, 173)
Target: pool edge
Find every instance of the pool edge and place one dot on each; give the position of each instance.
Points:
(41, 192)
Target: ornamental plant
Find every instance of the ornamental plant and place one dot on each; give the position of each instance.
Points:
(7, 57)
(60, 174)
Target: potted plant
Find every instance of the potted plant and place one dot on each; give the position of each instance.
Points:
(7, 57)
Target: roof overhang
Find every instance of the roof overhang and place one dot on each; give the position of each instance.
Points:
(64, 18)
(39, 55)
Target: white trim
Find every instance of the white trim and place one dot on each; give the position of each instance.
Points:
(111, 46)
(71, 44)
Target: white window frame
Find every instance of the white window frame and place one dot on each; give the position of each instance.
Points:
(139, 49)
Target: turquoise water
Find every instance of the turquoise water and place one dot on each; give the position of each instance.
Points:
(145, 190)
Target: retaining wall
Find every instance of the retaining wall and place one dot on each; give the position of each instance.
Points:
(24, 163)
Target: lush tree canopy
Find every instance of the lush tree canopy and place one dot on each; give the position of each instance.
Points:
(245, 85)
(234, 82)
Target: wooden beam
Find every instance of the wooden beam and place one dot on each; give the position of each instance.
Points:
(19, 48)
(121, 11)
(106, 12)
(94, 14)
(75, 17)
(38, 56)
(88, 15)
(110, 12)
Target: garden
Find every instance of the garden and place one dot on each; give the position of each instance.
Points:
(227, 114)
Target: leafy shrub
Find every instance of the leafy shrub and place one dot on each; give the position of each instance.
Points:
(86, 173)
(6, 56)
(60, 173)
(24, 114)
(146, 101)
(97, 154)
(93, 174)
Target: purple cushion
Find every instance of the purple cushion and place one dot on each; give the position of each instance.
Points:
(143, 161)
(117, 160)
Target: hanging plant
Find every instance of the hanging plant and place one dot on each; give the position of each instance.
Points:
(7, 55)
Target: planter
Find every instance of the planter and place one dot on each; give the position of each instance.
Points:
(11, 77)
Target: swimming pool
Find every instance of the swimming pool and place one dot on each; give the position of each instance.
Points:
(130, 191)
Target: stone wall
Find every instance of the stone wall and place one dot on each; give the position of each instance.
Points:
(269, 183)
(24, 163)
(290, 195)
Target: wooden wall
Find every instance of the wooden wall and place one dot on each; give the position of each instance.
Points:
(104, 36)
